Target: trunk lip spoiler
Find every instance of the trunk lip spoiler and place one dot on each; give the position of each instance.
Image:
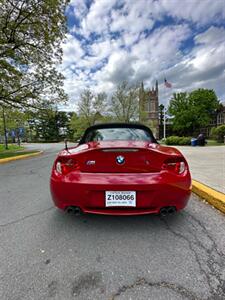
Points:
(120, 150)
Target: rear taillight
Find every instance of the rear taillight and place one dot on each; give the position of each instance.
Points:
(65, 166)
(176, 166)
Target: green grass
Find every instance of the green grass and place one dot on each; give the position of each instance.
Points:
(209, 143)
(12, 147)
(14, 153)
(14, 150)
(214, 143)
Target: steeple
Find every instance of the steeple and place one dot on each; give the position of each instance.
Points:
(141, 100)
(156, 87)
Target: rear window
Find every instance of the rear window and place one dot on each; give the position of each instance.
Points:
(112, 134)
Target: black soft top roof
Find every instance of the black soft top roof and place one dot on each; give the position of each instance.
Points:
(117, 125)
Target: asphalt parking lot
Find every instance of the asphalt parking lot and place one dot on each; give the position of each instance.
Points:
(47, 254)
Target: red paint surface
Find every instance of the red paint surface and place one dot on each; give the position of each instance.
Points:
(142, 172)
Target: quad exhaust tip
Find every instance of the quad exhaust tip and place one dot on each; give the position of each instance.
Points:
(74, 210)
(168, 210)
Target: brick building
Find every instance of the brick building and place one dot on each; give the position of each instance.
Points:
(220, 116)
(218, 119)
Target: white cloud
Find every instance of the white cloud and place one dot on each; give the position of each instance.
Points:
(79, 8)
(213, 35)
(134, 21)
(132, 40)
(197, 11)
(97, 20)
(72, 51)
(119, 67)
(203, 67)
(162, 45)
(101, 49)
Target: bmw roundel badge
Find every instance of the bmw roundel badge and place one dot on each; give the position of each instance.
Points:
(120, 159)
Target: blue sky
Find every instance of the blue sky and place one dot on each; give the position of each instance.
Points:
(109, 41)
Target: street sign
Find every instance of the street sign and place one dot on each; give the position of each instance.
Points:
(13, 133)
(21, 131)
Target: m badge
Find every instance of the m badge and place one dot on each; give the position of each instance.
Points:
(90, 162)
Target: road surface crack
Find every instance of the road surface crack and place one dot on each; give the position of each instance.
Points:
(26, 217)
(209, 259)
(162, 284)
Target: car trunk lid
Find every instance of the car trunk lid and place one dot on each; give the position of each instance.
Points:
(123, 157)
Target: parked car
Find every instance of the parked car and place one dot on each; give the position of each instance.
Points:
(120, 169)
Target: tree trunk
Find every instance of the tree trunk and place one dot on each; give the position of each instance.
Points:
(4, 127)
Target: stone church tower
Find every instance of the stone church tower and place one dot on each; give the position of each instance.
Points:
(149, 108)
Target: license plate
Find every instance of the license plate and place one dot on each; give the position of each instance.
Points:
(120, 198)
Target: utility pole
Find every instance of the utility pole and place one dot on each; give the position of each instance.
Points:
(4, 127)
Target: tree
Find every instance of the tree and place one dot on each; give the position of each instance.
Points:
(125, 103)
(205, 104)
(49, 124)
(31, 33)
(192, 111)
(47, 129)
(78, 125)
(14, 119)
(91, 106)
(218, 133)
(181, 112)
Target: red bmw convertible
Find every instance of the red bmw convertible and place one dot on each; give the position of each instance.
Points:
(120, 169)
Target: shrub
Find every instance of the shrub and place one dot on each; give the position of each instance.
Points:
(185, 141)
(172, 140)
(218, 133)
(213, 133)
(177, 140)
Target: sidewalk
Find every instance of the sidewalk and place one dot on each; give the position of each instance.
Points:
(207, 165)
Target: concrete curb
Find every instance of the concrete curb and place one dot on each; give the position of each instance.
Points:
(213, 197)
(8, 159)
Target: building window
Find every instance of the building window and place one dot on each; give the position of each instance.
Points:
(213, 121)
(220, 118)
(147, 106)
(151, 106)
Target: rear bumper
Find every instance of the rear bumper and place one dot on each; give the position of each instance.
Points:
(153, 191)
